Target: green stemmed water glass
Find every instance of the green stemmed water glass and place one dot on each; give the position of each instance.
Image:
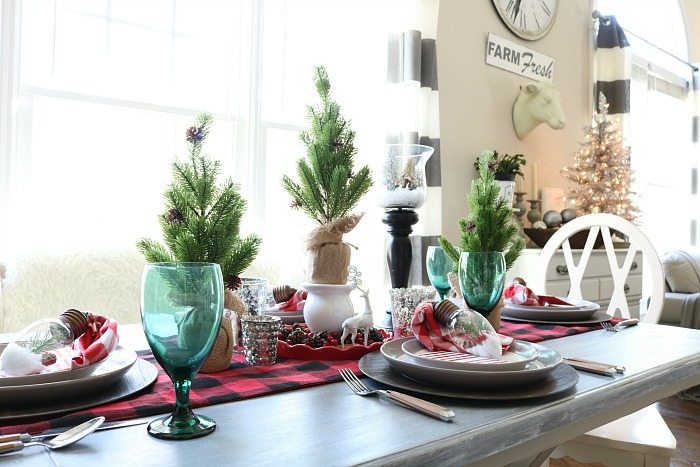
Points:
(438, 265)
(482, 277)
(181, 309)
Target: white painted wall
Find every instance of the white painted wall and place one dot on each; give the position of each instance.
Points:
(476, 99)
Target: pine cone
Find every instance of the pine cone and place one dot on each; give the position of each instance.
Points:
(174, 217)
(194, 134)
(232, 281)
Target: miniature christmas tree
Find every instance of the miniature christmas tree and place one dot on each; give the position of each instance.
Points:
(601, 170)
(201, 222)
(328, 187)
(490, 226)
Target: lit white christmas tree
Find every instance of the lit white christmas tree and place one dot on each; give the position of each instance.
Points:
(601, 170)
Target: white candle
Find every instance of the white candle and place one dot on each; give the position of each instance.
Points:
(534, 188)
(518, 184)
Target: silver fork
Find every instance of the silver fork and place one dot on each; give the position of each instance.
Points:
(618, 327)
(428, 408)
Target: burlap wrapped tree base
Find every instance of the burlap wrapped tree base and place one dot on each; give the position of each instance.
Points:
(495, 316)
(329, 255)
(220, 357)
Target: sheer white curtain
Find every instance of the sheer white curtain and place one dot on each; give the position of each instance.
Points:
(96, 104)
(659, 130)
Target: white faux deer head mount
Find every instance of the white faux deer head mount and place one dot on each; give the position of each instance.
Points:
(537, 103)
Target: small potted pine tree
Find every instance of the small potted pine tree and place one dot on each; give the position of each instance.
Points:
(489, 245)
(327, 190)
(201, 223)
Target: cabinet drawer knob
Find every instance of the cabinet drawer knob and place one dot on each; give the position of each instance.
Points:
(626, 288)
(634, 266)
(561, 269)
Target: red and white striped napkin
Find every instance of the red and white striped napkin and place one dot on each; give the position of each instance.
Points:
(519, 294)
(97, 342)
(434, 336)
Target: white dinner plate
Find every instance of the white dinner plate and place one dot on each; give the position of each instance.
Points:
(596, 318)
(107, 372)
(46, 377)
(581, 310)
(547, 361)
(518, 355)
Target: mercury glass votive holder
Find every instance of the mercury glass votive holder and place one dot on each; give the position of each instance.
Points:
(254, 293)
(260, 338)
(403, 305)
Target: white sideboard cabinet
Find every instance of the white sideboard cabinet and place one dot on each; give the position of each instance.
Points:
(597, 283)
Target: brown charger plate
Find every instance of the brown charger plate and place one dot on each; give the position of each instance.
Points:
(560, 380)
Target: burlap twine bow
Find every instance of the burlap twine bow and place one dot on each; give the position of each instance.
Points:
(329, 255)
(220, 357)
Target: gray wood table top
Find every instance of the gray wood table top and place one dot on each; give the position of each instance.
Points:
(328, 425)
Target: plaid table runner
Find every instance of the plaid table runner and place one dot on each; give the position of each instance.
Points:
(538, 332)
(242, 382)
(238, 382)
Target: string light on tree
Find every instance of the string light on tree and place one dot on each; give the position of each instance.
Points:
(601, 170)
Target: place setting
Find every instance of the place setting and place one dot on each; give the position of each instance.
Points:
(455, 352)
(523, 305)
(71, 362)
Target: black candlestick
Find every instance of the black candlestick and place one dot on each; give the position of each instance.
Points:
(399, 251)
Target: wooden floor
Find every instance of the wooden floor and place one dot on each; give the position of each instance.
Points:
(683, 418)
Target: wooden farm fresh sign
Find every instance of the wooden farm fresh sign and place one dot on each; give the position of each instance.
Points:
(517, 59)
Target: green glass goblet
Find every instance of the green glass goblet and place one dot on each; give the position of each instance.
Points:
(438, 265)
(482, 277)
(181, 309)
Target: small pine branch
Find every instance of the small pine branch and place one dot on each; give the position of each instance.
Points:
(490, 225)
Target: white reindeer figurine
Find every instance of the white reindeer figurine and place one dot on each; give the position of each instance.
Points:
(362, 320)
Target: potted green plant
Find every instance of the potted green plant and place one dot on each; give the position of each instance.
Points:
(328, 188)
(489, 244)
(505, 166)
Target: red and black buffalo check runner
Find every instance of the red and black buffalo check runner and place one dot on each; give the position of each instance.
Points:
(238, 382)
(242, 382)
(538, 332)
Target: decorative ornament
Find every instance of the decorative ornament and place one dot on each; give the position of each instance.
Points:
(552, 219)
(232, 281)
(567, 215)
(539, 225)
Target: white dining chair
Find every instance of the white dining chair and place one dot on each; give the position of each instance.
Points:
(642, 438)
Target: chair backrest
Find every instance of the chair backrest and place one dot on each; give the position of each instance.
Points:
(602, 223)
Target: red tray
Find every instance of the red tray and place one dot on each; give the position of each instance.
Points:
(306, 352)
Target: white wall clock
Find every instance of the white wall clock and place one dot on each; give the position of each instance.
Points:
(528, 19)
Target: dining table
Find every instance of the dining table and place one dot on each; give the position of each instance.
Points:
(327, 424)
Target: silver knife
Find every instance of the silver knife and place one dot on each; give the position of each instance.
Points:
(26, 437)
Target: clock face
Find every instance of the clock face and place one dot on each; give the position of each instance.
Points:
(528, 19)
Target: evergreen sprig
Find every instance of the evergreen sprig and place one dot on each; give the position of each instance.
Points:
(490, 226)
(201, 222)
(327, 188)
